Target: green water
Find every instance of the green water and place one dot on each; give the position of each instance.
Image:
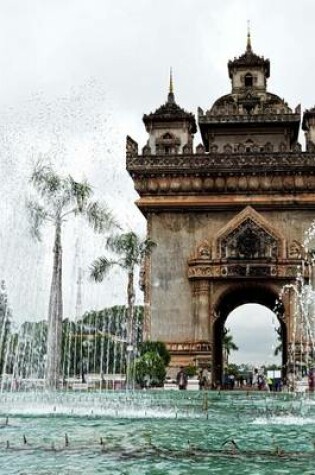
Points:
(157, 433)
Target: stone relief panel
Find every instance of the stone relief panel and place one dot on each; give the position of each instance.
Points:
(249, 236)
(296, 250)
(248, 241)
(247, 247)
(204, 250)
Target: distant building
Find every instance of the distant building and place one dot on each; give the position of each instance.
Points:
(228, 216)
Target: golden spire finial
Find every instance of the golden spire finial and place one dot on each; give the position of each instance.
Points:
(249, 43)
(171, 97)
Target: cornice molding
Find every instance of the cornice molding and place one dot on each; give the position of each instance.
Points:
(212, 163)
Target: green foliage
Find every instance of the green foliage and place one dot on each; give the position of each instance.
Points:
(228, 343)
(272, 367)
(94, 344)
(157, 347)
(30, 350)
(97, 342)
(101, 267)
(130, 250)
(279, 347)
(58, 197)
(191, 371)
(233, 369)
(150, 370)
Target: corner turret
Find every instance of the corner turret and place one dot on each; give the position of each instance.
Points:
(249, 118)
(170, 128)
(249, 71)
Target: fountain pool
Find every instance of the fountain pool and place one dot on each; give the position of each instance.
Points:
(157, 432)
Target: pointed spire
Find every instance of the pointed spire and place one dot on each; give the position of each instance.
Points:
(171, 96)
(249, 43)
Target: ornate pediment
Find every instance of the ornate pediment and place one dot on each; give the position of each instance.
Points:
(248, 241)
(247, 247)
(249, 236)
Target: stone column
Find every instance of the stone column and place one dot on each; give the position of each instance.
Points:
(202, 321)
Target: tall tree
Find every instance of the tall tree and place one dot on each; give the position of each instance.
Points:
(228, 344)
(130, 250)
(58, 198)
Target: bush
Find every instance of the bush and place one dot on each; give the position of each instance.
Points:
(190, 371)
(157, 347)
(150, 370)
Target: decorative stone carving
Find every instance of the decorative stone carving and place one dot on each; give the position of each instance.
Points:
(268, 147)
(310, 146)
(200, 149)
(131, 147)
(167, 144)
(204, 250)
(248, 241)
(249, 236)
(146, 150)
(235, 181)
(217, 162)
(246, 270)
(297, 147)
(228, 148)
(295, 250)
(187, 149)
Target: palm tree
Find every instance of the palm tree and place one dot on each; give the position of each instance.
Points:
(279, 347)
(130, 250)
(57, 199)
(228, 344)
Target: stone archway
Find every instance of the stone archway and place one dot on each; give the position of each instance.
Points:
(233, 212)
(245, 261)
(233, 297)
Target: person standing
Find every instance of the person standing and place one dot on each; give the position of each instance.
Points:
(200, 379)
(182, 379)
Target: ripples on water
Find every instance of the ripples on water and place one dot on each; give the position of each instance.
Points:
(229, 434)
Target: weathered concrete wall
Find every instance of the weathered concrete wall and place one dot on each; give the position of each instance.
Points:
(177, 236)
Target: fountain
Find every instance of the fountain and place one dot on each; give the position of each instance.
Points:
(301, 358)
(92, 424)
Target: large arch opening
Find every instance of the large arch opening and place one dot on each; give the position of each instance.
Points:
(255, 330)
(235, 298)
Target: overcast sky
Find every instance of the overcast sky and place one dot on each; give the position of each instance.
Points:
(77, 76)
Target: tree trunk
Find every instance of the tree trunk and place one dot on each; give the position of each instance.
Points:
(130, 329)
(55, 315)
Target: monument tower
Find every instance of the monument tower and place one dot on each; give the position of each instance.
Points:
(228, 216)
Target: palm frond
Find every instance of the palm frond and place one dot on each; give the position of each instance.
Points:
(123, 243)
(100, 217)
(37, 216)
(146, 247)
(45, 180)
(81, 192)
(131, 247)
(100, 268)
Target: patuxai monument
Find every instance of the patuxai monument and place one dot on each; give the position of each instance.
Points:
(228, 215)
